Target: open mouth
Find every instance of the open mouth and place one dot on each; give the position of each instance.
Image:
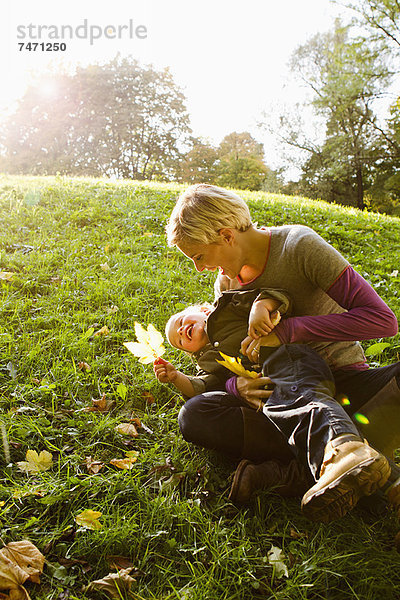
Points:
(189, 331)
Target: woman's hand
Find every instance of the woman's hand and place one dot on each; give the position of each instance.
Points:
(253, 391)
(164, 371)
(263, 318)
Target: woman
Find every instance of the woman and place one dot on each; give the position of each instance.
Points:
(333, 306)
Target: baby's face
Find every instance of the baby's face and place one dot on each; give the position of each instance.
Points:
(187, 331)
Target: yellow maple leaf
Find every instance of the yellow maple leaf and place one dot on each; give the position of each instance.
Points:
(89, 519)
(124, 463)
(149, 346)
(235, 365)
(36, 463)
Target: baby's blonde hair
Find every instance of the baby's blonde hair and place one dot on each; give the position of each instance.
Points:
(191, 308)
(202, 211)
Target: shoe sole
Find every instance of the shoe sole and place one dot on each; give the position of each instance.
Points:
(233, 494)
(341, 495)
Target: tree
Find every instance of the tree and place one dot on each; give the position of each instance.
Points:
(384, 193)
(200, 164)
(381, 18)
(241, 163)
(344, 78)
(114, 119)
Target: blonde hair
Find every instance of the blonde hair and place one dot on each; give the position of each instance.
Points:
(191, 308)
(202, 210)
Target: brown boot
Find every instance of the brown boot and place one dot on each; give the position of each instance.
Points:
(350, 469)
(287, 480)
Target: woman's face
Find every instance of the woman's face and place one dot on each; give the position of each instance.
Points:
(222, 255)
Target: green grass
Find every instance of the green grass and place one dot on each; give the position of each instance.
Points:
(87, 253)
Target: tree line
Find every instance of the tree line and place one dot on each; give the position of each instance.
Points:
(129, 121)
(125, 120)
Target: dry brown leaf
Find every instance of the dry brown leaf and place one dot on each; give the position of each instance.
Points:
(113, 583)
(127, 429)
(101, 405)
(19, 561)
(93, 466)
(136, 421)
(103, 331)
(148, 396)
(83, 366)
(119, 562)
(296, 535)
(26, 556)
(124, 463)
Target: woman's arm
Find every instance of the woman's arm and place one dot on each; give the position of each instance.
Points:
(367, 316)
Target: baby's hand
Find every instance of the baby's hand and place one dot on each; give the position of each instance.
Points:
(251, 347)
(262, 319)
(164, 371)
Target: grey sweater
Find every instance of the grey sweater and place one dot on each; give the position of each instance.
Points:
(306, 266)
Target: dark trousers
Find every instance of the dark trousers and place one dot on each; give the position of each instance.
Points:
(217, 420)
(302, 405)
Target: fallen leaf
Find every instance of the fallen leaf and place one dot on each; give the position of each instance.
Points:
(26, 556)
(296, 535)
(100, 404)
(124, 463)
(93, 466)
(132, 454)
(149, 346)
(103, 331)
(148, 396)
(119, 562)
(83, 366)
(113, 583)
(36, 463)
(112, 309)
(6, 275)
(19, 562)
(89, 519)
(275, 558)
(127, 429)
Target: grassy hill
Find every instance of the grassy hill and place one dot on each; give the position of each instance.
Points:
(86, 254)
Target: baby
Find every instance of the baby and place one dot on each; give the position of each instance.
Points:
(204, 331)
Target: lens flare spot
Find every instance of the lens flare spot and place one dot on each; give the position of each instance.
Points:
(343, 400)
(361, 419)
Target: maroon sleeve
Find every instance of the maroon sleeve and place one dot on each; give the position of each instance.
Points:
(230, 386)
(367, 315)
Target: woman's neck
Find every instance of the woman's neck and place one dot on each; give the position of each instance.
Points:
(254, 244)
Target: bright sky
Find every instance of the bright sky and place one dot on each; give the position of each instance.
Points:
(229, 56)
